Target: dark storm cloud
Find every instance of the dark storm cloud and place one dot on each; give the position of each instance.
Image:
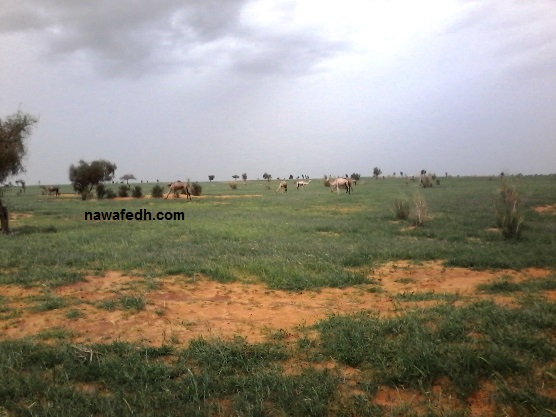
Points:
(137, 37)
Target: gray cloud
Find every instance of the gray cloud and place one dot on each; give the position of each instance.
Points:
(138, 37)
(519, 37)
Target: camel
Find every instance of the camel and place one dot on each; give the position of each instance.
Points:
(51, 190)
(178, 186)
(341, 183)
(283, 186)
(302, 184)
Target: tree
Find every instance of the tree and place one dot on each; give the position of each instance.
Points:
(355, 176)
(84, 177)
(267, 176)
(211, 177)
(376, 172)
(244, 176)
(127, 177)
(235, 176)
(14, 130)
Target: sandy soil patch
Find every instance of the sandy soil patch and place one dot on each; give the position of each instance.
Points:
(179, 308)
(548, 209)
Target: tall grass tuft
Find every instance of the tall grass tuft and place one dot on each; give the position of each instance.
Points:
(401, 209)
(509, 210)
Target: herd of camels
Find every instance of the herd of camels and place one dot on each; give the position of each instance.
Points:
(185, 187)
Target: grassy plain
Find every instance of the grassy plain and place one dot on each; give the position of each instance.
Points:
(459, 356)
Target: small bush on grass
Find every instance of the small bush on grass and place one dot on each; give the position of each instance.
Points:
(401, 209)
(233, 185)
(110, 194)
(509, 211)
(101, 191)
(157, 191)
(123, 191)
(137, 192)
(196, 189)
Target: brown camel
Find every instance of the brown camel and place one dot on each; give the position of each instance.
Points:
(178, 186)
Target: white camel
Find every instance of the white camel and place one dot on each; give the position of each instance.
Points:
(282, 186)
(341, 183)
(302, 184)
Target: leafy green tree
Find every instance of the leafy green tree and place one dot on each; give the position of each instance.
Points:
(84, 177)
(376, 172)
(14, 130)
(211, 177)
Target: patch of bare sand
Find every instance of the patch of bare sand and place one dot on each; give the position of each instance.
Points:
(548, 209)
(180, 309)
(15, 216)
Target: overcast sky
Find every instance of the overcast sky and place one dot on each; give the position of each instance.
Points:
(176, 89)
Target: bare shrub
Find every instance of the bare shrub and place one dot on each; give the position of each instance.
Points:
(509, 211)
(420, 207)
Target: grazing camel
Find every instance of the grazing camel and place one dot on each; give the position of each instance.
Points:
(302, 184)
(282, 186)
(341, 183)
(51, 190)
(178, 186)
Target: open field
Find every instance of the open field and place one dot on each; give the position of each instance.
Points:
(264, 303)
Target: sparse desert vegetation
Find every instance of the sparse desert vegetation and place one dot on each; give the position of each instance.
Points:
(305, 304)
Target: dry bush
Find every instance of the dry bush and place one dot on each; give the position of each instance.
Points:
(232, 184)
(420, 207)
(326, 182)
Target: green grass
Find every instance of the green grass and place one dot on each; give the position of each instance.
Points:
(465, 345)
(302, 240)
(295, 241)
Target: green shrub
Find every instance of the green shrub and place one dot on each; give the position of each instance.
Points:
(110, 193)
(157, 192)
(101, 191)
(123, 191)
(196, 189)
(137, 192)
(509, 211)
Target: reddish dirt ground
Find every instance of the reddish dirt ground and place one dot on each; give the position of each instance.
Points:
(179, 309)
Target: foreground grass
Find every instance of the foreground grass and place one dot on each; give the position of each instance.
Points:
(463, 350)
